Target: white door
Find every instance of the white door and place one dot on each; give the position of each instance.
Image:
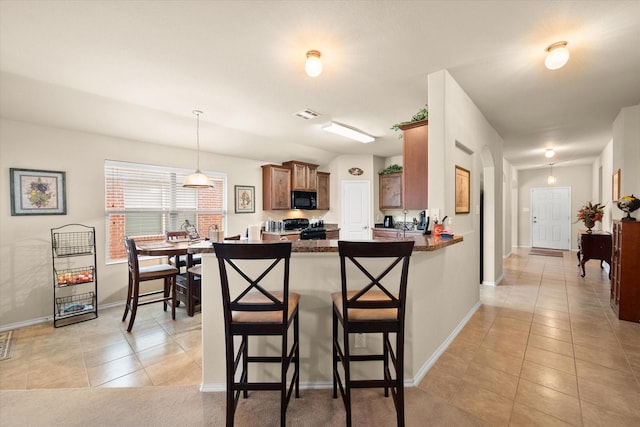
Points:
(356, 210)
(551, 218)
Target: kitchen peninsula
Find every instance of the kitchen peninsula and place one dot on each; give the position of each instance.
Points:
(438, 306)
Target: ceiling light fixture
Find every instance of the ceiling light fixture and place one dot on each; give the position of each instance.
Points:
(557, 55)
(348, 132)
(197, 179)
(313, 66)
(549, 153)
(551, 179)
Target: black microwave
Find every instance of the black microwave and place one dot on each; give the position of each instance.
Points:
(303, 199)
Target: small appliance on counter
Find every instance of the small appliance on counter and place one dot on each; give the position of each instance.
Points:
(388, 221)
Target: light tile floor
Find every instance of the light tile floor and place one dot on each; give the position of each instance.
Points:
(544, 349)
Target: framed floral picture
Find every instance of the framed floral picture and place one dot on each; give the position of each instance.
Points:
(37, 192)
(245, 198)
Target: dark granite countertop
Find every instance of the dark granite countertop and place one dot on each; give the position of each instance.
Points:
(423, 244)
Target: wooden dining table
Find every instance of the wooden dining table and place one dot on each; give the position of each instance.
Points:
(174, 249)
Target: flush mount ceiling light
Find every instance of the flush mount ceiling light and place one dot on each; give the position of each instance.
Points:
(551, 179)
(549, 153)
(313, 66)
(348, 132)
(557, 56)
(197, 179)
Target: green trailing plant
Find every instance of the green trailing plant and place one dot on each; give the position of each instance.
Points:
(391, 169)
(422, 114)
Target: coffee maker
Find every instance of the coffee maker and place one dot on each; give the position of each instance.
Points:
(388, 221)
(423, 221)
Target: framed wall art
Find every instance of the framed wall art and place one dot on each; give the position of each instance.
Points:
(245, 198)
(463, 190)
(37, 192)
(615, 182)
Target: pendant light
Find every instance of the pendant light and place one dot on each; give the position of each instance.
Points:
(197, 179)
(551, 179)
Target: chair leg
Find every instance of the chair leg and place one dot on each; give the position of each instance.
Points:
(400, 377)
(334, 337)
(129, 293)
(245, 364)
(134, 305)
(231, 401)
(347, 375)
(283, 378)
(385, 360)
(172, 281)
(296, 335)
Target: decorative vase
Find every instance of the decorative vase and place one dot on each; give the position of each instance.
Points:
(589, 223)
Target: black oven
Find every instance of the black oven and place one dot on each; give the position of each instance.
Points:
(303, 199)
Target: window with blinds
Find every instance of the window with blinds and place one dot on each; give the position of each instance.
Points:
(145, 201)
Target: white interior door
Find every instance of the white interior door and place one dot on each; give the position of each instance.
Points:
(551, 218)
(356, 210)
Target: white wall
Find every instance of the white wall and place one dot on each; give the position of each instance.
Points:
(604, 162)
(455, 121)
(626, 153)
(25, 241)
(578, 178)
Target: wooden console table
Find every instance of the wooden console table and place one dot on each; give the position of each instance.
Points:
(595, 245)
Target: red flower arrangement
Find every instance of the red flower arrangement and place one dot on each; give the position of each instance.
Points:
(593, 212)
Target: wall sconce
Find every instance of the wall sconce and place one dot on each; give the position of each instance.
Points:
(557, 55)
(551, 179)
(549, 153)
(313, 66)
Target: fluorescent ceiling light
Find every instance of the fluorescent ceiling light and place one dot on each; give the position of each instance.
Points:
(348, 132)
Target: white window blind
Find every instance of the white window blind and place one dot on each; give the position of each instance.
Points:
(145, 201)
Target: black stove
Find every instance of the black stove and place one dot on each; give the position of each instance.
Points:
(313, 233)
(292, 224)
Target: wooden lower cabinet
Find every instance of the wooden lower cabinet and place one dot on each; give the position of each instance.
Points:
(378, 234)
(625, 270)
(333, 234)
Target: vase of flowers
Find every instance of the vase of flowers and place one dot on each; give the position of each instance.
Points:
(589, 214)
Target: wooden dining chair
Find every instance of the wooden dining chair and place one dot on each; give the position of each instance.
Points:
(137, 274)
(193, 292)
(260, 306)
(373, 305)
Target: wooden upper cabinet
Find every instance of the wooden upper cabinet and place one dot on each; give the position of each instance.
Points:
(303, 175)
(414, 164)
(390, 190)
(323, 191)
(276, 188)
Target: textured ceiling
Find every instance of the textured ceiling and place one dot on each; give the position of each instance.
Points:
(137, 69)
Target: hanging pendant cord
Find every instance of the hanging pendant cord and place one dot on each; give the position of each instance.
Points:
(197, 113)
